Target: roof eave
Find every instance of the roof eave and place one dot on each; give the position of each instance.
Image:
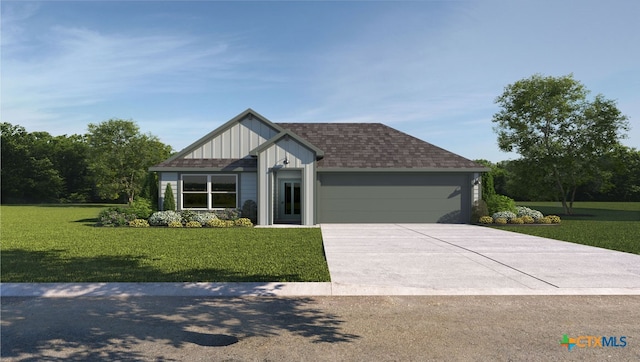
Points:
(401, 169)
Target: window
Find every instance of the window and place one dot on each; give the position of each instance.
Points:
(209, 191)
(223, 191)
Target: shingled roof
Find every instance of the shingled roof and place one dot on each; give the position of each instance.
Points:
(374, 145)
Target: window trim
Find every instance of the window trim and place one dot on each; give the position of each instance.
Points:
(209, 191)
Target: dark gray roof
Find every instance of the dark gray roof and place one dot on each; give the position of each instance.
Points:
(374, 145)
(218, 163)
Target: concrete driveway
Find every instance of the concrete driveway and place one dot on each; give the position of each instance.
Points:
(432, 259)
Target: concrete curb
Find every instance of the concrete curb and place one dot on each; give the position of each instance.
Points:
(272, 289)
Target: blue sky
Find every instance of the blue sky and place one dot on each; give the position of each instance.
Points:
(429, 68)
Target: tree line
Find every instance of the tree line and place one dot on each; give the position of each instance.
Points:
(109, 163)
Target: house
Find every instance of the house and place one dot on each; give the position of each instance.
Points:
(312, 173)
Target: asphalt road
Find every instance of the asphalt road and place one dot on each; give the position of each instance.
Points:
(397, 328)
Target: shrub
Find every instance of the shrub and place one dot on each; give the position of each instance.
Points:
(528, 219)
(516, 220)
(243, 222)
(543, 220)
(139, 223)
(115, 216)
(174, 224)
(478, 210)
(228, 214)
(187, 215)
(250, 210)
(554, 219)
(203, 217)
(525, 211)
(508, 215)
(193, 224)
(163, 218)
(217, 223)
(169, 202)
(500, 221)
(497, 203)
(141, 207)
(486, 220)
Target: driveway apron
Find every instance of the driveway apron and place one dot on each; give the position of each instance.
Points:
(370, 259)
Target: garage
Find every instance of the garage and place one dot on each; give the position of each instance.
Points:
(393, 197)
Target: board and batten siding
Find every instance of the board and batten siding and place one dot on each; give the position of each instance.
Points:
(167, 178)
(236, 141)
(298, 157)
(248, 187)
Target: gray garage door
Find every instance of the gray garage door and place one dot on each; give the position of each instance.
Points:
(398, 197)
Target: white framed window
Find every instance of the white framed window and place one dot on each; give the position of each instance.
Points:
(209, 192)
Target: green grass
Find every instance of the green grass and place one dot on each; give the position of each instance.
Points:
(59, 244)
(609, 225)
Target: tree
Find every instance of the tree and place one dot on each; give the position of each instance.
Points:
(619, 177)
(557, 131)
(168, 203)
(120, 156)
(27, 173)
(488, 188)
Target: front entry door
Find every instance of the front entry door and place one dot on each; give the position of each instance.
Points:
(290, 201)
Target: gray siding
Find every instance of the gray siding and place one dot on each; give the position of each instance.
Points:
(362, 197)
(272, 159)
(236, 141)
(167, 178)
(248, 187)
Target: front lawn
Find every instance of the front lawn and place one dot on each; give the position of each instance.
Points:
(54, 243)
(609, 225)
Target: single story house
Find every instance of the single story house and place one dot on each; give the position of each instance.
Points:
(312, 173)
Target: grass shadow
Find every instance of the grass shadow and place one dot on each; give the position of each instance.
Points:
(30, 266)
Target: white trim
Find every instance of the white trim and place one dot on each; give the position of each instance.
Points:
(209, 191)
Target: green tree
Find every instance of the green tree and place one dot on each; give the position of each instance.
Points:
(557, 131)
(168, 203)
(120, 156)
(488, 188)
(69, 156)
(619, 177)
(27, 173)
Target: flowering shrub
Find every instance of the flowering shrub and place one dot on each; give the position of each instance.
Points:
(516, 220)
(228, 214)
(217, 223)
(163, 218)
(486, 220)
(174, 224)
(525, 211)
(203, 217)
(543, 220)
(115, 216)
(187, 215)
(139, 223)
(528, 219)
(554, 219)
(508, 215)
(500, 221)
(193, 224)
(243, 222)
